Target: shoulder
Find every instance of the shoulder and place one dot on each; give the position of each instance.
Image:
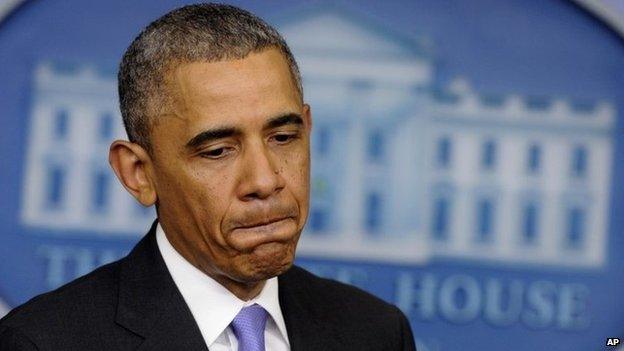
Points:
(76, 306)
(332, 293)
(350, 309)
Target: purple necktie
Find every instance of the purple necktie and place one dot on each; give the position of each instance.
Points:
(248, 326)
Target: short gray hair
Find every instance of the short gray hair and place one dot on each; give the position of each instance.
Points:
(193, 33)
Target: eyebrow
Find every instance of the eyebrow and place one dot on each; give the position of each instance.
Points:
(226, 132)
(211, 135)
(279, 121)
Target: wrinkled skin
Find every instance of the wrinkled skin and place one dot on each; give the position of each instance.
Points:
(233, 200)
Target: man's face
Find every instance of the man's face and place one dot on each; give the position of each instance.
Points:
(231, 166)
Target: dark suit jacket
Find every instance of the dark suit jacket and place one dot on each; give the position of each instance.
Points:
(133, 304)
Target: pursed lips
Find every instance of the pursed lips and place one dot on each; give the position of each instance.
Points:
(250, 235)
(258, 225)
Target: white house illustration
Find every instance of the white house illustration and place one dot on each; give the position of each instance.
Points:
(401, 171)
(4, 308)
(68, 184)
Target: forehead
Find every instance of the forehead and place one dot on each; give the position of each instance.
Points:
(261, 82)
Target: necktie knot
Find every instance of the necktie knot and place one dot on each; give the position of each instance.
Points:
(248, 326)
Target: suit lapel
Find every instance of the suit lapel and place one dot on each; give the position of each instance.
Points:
(150, 304)
(302, 315)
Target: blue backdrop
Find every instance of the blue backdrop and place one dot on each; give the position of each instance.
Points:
(467, 159)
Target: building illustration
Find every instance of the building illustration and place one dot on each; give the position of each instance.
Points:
(4, 308)
(402, 171)
(69, 185)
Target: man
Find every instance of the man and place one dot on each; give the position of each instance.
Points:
(219, 136)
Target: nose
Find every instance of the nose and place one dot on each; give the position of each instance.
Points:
(260, 175)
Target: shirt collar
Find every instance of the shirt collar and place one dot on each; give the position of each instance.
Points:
(212, 305)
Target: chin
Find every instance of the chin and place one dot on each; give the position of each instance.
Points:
(270, 260)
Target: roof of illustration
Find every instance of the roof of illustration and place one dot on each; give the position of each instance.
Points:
(330, 29)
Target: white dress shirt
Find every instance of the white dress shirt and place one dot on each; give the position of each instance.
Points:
(214, 307)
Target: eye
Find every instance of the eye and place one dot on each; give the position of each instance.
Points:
(284, 138)
(216, 153)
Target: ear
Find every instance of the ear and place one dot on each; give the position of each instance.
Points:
(307, 116)
(132, 165)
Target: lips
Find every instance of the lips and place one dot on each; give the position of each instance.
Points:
(248, 236)
(262, 223)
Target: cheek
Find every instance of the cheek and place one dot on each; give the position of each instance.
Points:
(296, 167)
(211, 199)
(298, 177)
(203, 202)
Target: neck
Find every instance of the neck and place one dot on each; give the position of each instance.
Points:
(243, 290)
